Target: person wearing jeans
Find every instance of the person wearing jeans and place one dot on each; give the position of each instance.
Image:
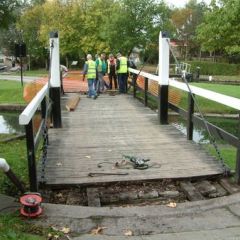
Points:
(122, 72)
(89, 69)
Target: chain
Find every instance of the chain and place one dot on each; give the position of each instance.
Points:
(226, 169)
(45, 127)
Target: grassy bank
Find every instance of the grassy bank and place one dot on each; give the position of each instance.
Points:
(207, 106)
(15, 154)
(12, 227)
(11, 92)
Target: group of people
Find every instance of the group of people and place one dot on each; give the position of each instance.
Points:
(115, 68)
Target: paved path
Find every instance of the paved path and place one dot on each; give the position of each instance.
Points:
(208, 220)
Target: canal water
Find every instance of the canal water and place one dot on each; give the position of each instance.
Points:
(9, 123)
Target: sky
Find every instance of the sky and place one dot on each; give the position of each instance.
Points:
(181, 3)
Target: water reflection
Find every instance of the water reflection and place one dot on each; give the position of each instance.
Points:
(9, 123)
(199, 135)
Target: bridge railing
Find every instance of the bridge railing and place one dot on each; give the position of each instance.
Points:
(39, 104)
(192, 119)
(48, 101)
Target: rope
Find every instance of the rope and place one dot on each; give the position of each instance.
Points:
(212, 139)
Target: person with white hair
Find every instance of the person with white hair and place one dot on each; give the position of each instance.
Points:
(89, 69)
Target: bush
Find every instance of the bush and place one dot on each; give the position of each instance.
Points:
(210, 68)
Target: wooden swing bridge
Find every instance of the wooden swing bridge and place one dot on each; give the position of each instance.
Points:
(94, 137)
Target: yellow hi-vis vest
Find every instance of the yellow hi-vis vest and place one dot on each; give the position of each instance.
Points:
(100, 63)
(123, 65)
(91, 72)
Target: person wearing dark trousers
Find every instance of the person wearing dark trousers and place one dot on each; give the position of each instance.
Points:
(101, 71)
(111, 70)
(122, 72)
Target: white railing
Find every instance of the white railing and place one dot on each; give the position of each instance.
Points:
(26, 116)
(211, 95)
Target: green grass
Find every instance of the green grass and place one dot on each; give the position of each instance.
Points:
(15, 154)
(207, 106)
(13, 227)
(228, 154)
(11, 92)
(37, 73)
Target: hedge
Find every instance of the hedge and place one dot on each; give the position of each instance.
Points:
(210, 68)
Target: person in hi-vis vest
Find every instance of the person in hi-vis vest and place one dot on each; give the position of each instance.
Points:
(89, 69)
(122, 72)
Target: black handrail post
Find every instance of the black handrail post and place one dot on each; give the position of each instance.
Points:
(190, 117)
(145, 91)
(43, 108)
(237, 174)
(163, 104)
(163, 73)
(32, 172)
(134, 85)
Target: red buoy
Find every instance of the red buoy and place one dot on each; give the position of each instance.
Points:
(31, 205)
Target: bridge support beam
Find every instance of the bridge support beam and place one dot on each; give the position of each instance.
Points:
(164, 78)
(55, 81)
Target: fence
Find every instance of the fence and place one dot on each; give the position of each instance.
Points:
(188, 114)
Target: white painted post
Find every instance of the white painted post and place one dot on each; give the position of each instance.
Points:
(163, 73)
(55, 60)
(55, 81)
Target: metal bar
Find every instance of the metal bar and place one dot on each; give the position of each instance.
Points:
(189, 117)
(31, 157)
(15, 180)
(38, 135)
(145, 91)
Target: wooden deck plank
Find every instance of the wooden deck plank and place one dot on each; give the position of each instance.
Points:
(105, 129)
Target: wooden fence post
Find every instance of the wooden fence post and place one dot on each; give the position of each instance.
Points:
(134, 85)
(145, 91)
(55, 83)
(32, 172)
(237, 173)
(163, 66)
(190, 117)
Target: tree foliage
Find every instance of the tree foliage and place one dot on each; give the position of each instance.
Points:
(95, 26)
(186, 21)
(7, 12)
(221, 26)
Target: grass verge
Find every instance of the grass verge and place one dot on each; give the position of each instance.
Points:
(11, 92)
(13, 227)
(15, 154)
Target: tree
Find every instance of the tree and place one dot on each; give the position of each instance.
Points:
(221, 26)
(186, 21)
(7, 10)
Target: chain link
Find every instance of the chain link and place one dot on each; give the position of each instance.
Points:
(45, 127)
